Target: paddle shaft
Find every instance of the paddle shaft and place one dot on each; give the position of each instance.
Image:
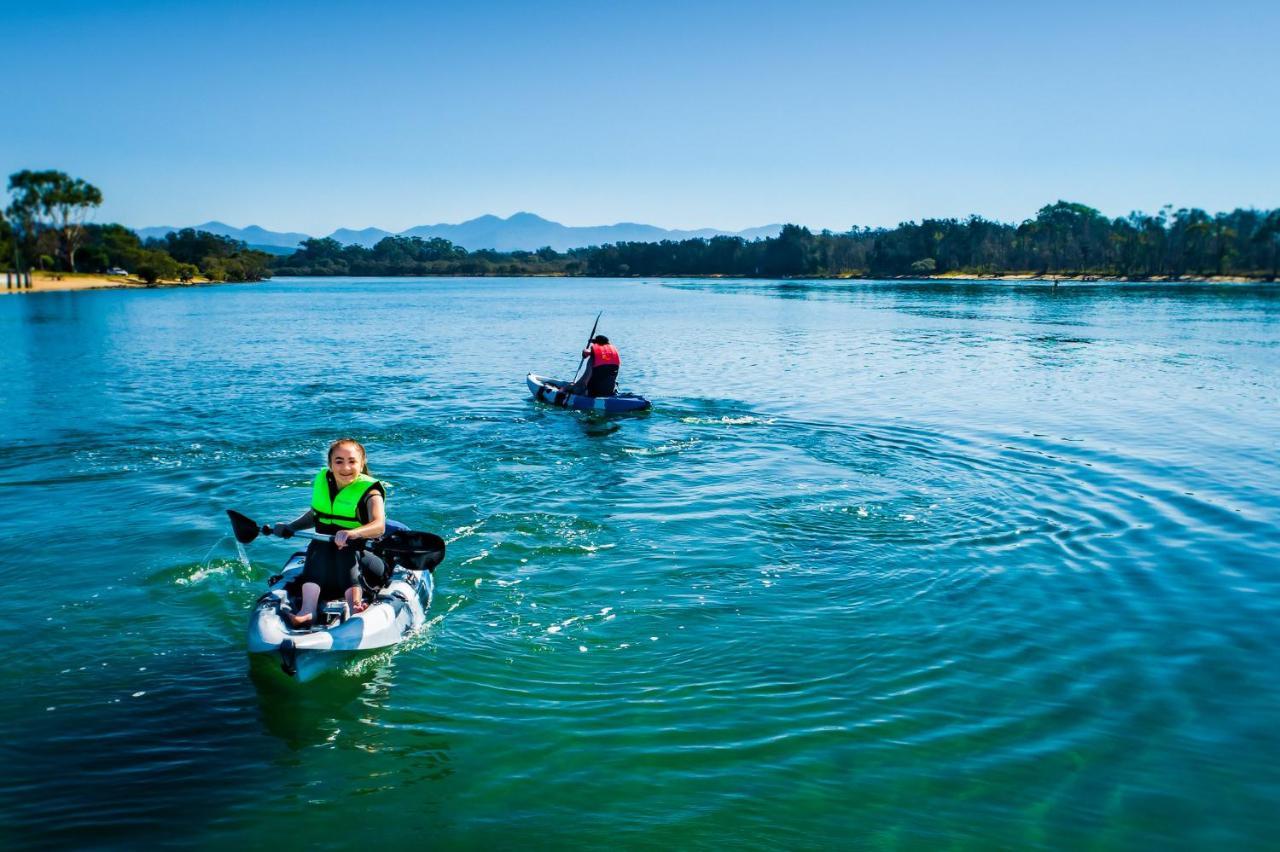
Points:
(314, 536)
(423, 550)
(590, 337)
(357, 543)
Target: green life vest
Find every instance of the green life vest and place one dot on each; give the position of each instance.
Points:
(340, 512)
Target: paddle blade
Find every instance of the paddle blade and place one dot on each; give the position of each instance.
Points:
(244, 529)
(421, 551)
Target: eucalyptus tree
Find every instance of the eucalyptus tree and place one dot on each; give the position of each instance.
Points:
(53, 201)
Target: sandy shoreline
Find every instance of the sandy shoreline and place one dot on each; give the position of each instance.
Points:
(47, 282)
(1097, 279)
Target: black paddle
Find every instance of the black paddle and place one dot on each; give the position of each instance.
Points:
(421, 551)
(247, 530)
(590, 337)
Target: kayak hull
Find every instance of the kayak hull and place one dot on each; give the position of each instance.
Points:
(552, 392)
(396, 611)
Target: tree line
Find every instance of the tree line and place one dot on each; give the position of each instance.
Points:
(1064, 238)
(45, 227)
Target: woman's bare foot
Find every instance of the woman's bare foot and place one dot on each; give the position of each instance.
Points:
(359, 606)
(296, 620)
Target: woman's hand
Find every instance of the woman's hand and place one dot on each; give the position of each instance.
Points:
(340, 538)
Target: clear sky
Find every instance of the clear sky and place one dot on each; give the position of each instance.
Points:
(314, 115)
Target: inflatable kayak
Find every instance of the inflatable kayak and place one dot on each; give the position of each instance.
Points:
(398, 605)
(552, 391)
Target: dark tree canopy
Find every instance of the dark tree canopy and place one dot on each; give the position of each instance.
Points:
(1062, 239)
(52, 202)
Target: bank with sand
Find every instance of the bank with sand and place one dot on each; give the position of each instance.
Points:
(44, 282)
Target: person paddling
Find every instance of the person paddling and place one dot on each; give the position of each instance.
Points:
(601, 376)
(349, 504)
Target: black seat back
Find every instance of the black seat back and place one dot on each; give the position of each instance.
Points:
(421, 551)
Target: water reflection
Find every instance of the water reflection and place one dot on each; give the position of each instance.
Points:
(312, 713)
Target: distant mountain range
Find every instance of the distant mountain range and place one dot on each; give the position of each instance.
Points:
(522, 231)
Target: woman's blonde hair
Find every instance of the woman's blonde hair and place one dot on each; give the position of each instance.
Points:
(364, 457)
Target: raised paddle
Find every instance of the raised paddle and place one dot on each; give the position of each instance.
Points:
(590, 337)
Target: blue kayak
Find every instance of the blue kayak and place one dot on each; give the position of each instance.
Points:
(552, 391)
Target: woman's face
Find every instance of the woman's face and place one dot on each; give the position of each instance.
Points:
(345, 461)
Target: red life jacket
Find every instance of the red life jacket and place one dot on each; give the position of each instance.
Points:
(604, 354)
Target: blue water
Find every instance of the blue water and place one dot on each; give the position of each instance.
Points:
(888, 565)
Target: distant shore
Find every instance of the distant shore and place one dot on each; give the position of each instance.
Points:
(1100, 279)
(47, 282)
(1012, 277)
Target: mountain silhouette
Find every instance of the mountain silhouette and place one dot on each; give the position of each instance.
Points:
(519, 232)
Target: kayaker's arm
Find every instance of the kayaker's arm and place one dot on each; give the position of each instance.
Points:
(306, 521)
(374, 529)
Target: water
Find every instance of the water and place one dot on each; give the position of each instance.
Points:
(888, 565)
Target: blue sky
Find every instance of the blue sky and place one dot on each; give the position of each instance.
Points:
(312, 116)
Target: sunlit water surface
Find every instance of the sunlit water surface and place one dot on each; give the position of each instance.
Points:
(887, 565)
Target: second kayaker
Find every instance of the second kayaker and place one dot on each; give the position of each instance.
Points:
(349, 504)
(601, 376)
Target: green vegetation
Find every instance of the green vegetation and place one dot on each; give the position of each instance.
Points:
(47, 213)
(44, 225)
(1063, 239)
(416, 256)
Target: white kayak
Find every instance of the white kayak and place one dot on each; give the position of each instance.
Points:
(398, 602)
(398, 610)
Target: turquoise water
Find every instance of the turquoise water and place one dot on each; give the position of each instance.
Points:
(890, 566)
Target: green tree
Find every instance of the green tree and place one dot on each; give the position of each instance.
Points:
(1268, 234)
(22, 217)
(219, 258)
(54, 201)
(120, 245)
(791, 253)
(6, 240)
(152, 266)
(191, 246)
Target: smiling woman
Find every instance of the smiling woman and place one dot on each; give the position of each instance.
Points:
(350, 505)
